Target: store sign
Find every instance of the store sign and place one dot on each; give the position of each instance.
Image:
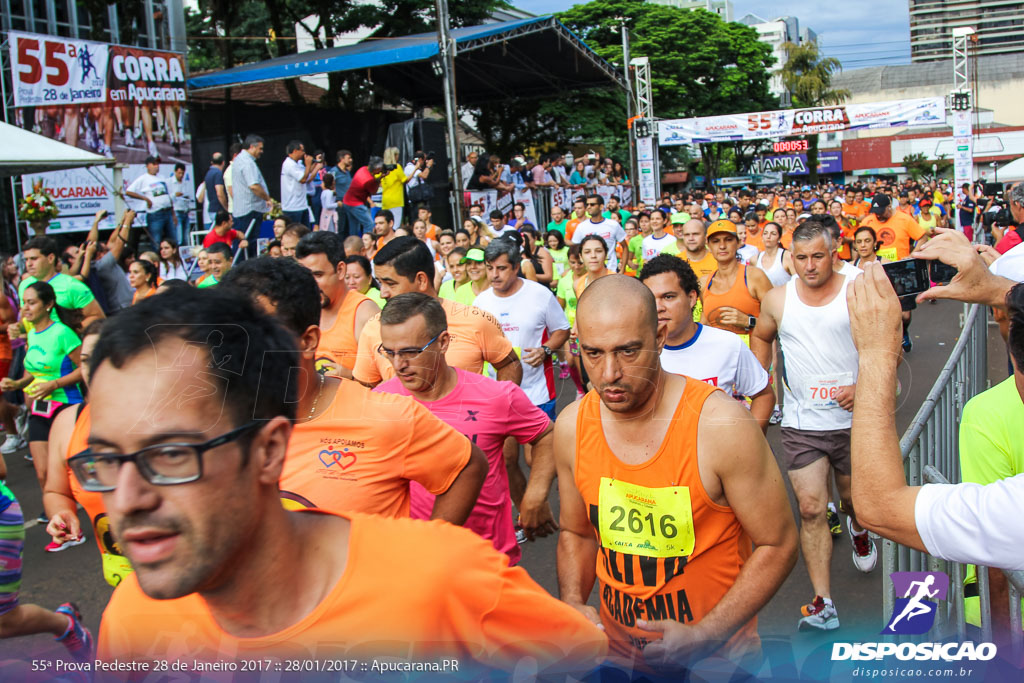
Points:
(796, 164)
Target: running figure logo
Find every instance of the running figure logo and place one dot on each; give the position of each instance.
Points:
(85, 61)
(914, 613)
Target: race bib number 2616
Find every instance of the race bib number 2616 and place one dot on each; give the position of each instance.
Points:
(654, 522)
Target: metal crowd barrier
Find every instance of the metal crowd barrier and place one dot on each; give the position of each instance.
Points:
(930, 449)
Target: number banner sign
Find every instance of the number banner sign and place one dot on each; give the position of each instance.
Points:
(926, 111)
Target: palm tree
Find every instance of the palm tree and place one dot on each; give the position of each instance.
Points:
(808, 78)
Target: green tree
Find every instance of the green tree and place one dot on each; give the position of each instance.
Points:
(919, 166)
(808, 78)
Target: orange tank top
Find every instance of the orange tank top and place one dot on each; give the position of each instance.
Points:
(666, 551)
(339, 344)
(737, 297)
(115, 565)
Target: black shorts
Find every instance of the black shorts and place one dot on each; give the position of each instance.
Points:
(38, 424)
(15, 371)
(908, 303)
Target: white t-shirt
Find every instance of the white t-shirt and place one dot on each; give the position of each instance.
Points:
(651, 246)
(973, 523)
(1010, 265)
(608, 230)
(411, 171)
(747, 254)
(719, 358)
(293, 192)
(849, 270)
(155, 188)
(528, 318)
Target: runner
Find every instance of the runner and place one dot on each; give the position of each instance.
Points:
(207, 566)
(345, 311)
(41, 264)
(594, 254)
(658, 241)
(350, 449)
(865, 246)
(403, 266)
(705, 353)
(476, 272)
(709, 486)
(691, 246)
(359, 278)
(748, 251)
(733, 293)
(775, 261)
(607, 229)
(498, 410)
(810, 318)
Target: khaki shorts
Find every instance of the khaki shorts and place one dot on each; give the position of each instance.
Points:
(801, 447)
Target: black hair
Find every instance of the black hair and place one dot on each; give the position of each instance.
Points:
(150, 270)
(342, 153)
(591, 237)
(596, 197)
(828, 221)
(221, 218)
(175, 258)
(399, 309)
(871, 231)
(252, 356)
(234, 149)
(558, 236)
(463, 231)
(219, 248)
(361, 261)
(1015, 311)
(72, 317)
(217, 159)
(292, 146)
(668, 263)
(47, 246)
(285, 284)
(179, 166)
(296, 229)
(574, 252)
(461, 251)
(168, 285)
(328, 181)
(321, 242)
(387, 214)
(408, 256)
(519, 205)
(497, 214)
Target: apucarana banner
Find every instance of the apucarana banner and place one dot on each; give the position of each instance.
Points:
(925, 111)
(122, 102)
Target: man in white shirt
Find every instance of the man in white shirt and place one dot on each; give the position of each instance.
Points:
(1011, 264)
(156, 193)
(294, 175)
(180, 194)
(468, 167)
(966, 522)
(533, 321)
(609, 230)
(711, 355)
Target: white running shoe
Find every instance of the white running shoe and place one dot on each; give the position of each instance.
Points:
(13, 443)
(129, 139)
(153, 151)
(818, 615)
(865, 556)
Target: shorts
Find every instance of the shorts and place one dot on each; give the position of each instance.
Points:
(39, 426)
(12, 543)
(549, 408)
(802, 447)
(908, 303)
(15, 370)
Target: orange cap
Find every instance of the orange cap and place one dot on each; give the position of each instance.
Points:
(722, 225)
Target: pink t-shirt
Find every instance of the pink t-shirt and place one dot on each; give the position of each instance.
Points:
(487, 412)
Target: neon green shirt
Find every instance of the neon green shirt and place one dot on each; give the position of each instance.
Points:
(69, 292)
(447, 290)
(991, 448)
(207, 282)
(48, 358)
(374, 294)
(567, 293)
(636, 247)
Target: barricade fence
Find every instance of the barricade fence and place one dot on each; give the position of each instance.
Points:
(538, 202)
(930, 450)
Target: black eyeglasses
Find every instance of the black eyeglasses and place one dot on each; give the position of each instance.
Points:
(164, 464)
(406, 354)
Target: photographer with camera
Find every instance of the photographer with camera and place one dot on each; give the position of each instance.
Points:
(418, 170)
(356, 205)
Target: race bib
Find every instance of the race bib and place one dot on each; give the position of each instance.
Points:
(888, 253)
(824, 389)
(653, 522)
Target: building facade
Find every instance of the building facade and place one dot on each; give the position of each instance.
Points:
(777, 32)
(722, 8)
(998, 24)
(155, 24)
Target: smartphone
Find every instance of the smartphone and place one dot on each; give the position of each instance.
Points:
(940, 273)
(908, 277)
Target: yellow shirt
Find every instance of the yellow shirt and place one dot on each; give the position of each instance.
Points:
(393, 189)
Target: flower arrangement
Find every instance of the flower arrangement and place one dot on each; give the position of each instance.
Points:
(275, 211)
(38, 206)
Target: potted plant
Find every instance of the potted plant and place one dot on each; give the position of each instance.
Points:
(38, 208)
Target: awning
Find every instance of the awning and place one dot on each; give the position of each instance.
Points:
(1011, 171)
(22, 151)
(514, 59)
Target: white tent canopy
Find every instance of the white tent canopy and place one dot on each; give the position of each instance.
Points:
(23, 151)
(1012, 171)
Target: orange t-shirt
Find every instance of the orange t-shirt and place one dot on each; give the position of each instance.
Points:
(666, 493)
(476, 338)
(115, 565)
(418, 591)
(705, 266)
(361, 454)
(895, 234)
(339, 344)
(787, 239)
(754, 236)
(738, 296)
(857, 210)
(570, 227)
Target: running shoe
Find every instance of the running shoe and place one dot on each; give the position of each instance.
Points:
(129, 139)
(13, 443)
(42, 518)
(153, 151)
(835, 525)
(865, 557)
(776, 417)
(28, 456)
(818, 615)
(520, 535)
(77, 638)
(907, 344)
(54, 547)
(563, 371)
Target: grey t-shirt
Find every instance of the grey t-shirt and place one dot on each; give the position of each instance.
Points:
(115, 282)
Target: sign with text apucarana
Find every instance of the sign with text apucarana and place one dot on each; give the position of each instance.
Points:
(926, 111)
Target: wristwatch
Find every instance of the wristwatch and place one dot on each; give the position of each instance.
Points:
(751, 322)
(547, 350)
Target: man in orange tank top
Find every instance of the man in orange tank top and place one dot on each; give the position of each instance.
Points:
(657, 474)
(224, 573)
(733, 293)
(345, 312)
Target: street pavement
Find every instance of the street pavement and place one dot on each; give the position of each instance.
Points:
(75, 574)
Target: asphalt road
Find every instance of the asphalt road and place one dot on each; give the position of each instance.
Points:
(74, 574)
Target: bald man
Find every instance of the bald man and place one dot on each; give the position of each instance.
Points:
(676, 475)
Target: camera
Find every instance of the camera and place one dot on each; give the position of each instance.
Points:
(388, 168)
(429, 156)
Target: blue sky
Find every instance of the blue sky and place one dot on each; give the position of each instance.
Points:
(859, 34)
